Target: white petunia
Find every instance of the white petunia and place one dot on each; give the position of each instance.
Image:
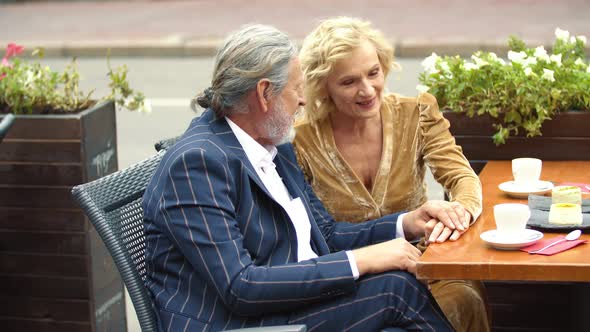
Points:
(580, 62)
(429, 63)
(516, 57)
(548, 75)
(582, 39)
(562, 34)
(556, 58)
(541, 54)
(495, 58)
(147, 106)
(529, 61)
(528, 71)
(422, 88)
(588, 69)
(444, 66)
(478, 61)
(470, 66)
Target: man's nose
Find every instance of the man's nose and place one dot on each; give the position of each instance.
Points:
(302, 101)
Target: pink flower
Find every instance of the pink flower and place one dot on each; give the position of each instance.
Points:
(13, 49)
(2, 76)
(5, 62)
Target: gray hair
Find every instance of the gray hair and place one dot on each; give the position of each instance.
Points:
(248, 55)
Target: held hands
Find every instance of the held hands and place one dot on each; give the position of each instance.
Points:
(397, 254)
(438, 220)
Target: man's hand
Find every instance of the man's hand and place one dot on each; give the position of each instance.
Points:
(452, 217)
(397, 254)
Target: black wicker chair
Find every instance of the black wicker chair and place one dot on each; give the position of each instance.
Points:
(113, 206)
(166, 143)
(5, 124)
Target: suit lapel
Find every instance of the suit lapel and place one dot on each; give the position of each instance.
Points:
(318, 242)
(221, 129)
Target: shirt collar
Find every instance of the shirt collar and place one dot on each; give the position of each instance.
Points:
(258, 155)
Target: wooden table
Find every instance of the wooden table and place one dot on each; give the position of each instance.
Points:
(470, 257)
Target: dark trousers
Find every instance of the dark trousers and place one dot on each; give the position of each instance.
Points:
(381, 302)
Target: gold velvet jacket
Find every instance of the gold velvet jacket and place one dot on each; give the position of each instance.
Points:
(415, 135)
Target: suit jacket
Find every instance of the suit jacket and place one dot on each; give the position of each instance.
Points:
(221, 253)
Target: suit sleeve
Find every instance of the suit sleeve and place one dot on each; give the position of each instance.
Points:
(199, 212)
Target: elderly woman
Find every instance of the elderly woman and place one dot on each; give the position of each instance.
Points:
(365, 151)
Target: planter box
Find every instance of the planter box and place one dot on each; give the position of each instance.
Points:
(565, 137)
(55, 273)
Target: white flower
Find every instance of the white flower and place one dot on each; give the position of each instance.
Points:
(580, 62)
(444, 66)
(422, 88)
(470, 66)
(429, 63)
(541, 54)
(147, 106)
(562, 34)
(588, 69)
(548, 75)
(582, 38)
(478, 61)
(516, 57)
(529, 61)
(556, 58)
(528, 71)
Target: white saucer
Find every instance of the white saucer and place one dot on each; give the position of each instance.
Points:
(512, 189)
(494, 239)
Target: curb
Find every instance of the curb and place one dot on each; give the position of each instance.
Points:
(208, 47)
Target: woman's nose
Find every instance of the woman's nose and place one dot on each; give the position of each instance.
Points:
(366, 89)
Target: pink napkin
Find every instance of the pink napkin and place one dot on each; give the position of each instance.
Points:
(565, 245)
(576, 184)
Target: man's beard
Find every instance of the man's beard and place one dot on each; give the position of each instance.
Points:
(279, 125)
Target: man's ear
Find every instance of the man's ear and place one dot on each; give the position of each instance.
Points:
(263, 94)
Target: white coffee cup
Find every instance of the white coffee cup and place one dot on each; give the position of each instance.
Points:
(526, 171)
(511, 219)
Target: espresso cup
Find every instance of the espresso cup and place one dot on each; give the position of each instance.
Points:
(526, 171)
(511, 219)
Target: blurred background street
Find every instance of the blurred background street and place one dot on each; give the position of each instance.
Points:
(168, 45)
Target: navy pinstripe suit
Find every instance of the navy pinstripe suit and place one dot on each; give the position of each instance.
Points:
(221, 253)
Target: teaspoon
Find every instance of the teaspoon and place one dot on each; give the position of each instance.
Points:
(571, 236)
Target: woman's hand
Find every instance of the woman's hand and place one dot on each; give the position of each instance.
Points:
(451, 214)
(437, 231)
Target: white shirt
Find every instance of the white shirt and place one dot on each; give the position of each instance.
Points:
(261, 158)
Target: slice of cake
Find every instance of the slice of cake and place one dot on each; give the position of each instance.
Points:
(565, 214)
(566, 194)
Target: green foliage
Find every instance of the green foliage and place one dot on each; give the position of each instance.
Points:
(27, 87)
(521, 93)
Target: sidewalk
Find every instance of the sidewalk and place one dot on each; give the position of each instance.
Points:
(192, 28)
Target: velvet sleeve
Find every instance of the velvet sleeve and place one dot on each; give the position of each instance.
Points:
(445, 158)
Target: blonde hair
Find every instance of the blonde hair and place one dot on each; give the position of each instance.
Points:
(332, 40)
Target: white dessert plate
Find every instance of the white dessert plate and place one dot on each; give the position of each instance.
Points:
(512, 189)
(495, 240)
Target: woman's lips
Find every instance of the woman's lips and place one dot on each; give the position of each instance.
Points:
(367, 104)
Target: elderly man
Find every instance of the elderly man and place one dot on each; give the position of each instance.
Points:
(236, 237)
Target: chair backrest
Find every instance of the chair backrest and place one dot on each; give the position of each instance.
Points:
(113, 205)
(166, 143)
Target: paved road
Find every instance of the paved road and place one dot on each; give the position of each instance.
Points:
(416, 27)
